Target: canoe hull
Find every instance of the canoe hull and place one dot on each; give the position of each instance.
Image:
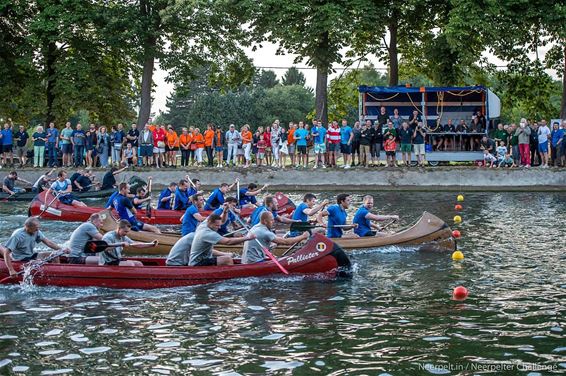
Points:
(429, 233)
(58, 211)
(28, 196)
(310, 260)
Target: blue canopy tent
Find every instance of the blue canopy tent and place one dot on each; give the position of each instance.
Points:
(435, 104)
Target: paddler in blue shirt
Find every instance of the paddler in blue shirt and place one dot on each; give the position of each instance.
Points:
(306, 209)
(269, 204)
(227, 213)
(123, 205)
(165, 197)
(337, 215)
(248, 195)
(216, 198)
(364, 218)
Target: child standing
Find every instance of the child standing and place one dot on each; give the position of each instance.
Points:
(390, 146)
(261, 146)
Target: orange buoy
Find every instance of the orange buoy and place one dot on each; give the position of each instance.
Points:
(460, 293)
(458, 207)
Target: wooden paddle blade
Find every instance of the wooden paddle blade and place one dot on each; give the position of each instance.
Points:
(97, 246)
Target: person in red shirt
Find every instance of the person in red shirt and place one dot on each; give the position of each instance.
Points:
(267, 138)
(390, 145)
(333, 136)
(159, 145)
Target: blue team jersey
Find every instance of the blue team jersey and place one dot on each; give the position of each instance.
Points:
(215, 200)
(299, 212)
(124, 207)
(167, 204)
(319, 134)
(223, 230)
(245, 199)
(256, 215)
(111, 200)
(364, 224)
(181, 199)
(189, 223)
(336, 216)
(345, 133)
(301, 135)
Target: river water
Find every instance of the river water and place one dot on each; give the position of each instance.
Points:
(394, 317)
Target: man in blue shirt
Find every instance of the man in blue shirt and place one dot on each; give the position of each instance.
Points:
(166, 196)
(346, 137)
(269, 204)
(123, 205)
(337, 218)
(216, 198)
(363, 219)
(300, 137)
(21, 137)
(78, 139)
(227, 214)
(182, 196)
(7, 143)
(248, 195)
(52, 144)
(192, 218)
(318, 133)
(306, 209)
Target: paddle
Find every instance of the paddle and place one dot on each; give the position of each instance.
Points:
(387, 225)
(265, 249)
(148, 206)
(96, 246)
(37, 265)
(238, 191)
(306, 226)
(51, 203)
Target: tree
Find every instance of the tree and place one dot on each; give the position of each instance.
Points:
(293, 77)
(265, 79)
(313, 30)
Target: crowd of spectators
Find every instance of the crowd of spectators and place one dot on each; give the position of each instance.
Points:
(300, 145)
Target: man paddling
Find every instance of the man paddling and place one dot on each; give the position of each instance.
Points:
(306, 209)
(216, 198)
(166, 196)
(126, 210)
(87, 231)
(263, 231)
(248, 195)
(364, 218)
(192, 218)
(227, 214)
(62, 187)
(206, 237)
(269, 204)
(21, 245)
(109, 178)
(182, 201)
(43, 182)
(113, 256)
(337, 218)
(9, 184)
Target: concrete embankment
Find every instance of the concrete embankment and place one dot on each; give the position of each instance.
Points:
(429, 179)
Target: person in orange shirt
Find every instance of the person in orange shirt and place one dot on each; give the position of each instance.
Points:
(185, 145)
(171, 146)
(198, 140)
(291, 141)
(208, 141)
(218, 144)
(247, 138)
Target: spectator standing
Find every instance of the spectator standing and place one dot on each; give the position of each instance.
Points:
(300, 137)
(247, 139)
(233, 138)
(533, 145)
(132, 137)
(39, 139)
(366, 136)
(118, 144)
(103, 148)
(275, 141)
(405, 136)
(291, 142)
(419, 135)
(283, 148)
(514, 144)
(159, 135)
(382, 117)
(500, 134)
(390, 130)
(396, 119)
(52, 145)
(555, 136)
(198, 140)
(524, 138)
(67, 145)
(21, 137)
(376, 143)
(91, 140)
(171, 146)
(267, 138)
(333, 137)
(356, 131)
(7, 143)
(208, 141)
(146, 145)
(185, 144)
(318, 133)
(78, 140)
(390, 146)
(218, 144)
(543, 134)
(346, 137)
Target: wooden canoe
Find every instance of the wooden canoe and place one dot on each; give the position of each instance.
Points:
(429, 233)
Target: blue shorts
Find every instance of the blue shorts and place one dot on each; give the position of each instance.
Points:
(543, 148)
(333, 147)
(136, 225)
(67, 148)
(67, 199)
(345, 149)
(146, 151)
(219, 149)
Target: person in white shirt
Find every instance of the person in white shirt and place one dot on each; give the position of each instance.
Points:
(543, 137)
(233, 138)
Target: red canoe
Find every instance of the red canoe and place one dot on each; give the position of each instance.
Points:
(320, 257)
(60, 212)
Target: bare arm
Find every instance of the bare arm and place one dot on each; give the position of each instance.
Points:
(284, 219)
(233, 241)
(143, 245)
(315, 209)
(323, 213)
(5, 252)
(7, 190)
(291, 241)
(51, 244)
(119, 171)
(380, 218)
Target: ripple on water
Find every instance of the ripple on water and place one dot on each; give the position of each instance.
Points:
(276, 365)
(94, 350)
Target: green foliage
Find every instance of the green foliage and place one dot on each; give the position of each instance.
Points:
(293, 77)
(265, 79)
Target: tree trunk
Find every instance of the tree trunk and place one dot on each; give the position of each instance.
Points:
(50, 60)
(563, 106)
(393, 54)
(146, 84)
(322, 94)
